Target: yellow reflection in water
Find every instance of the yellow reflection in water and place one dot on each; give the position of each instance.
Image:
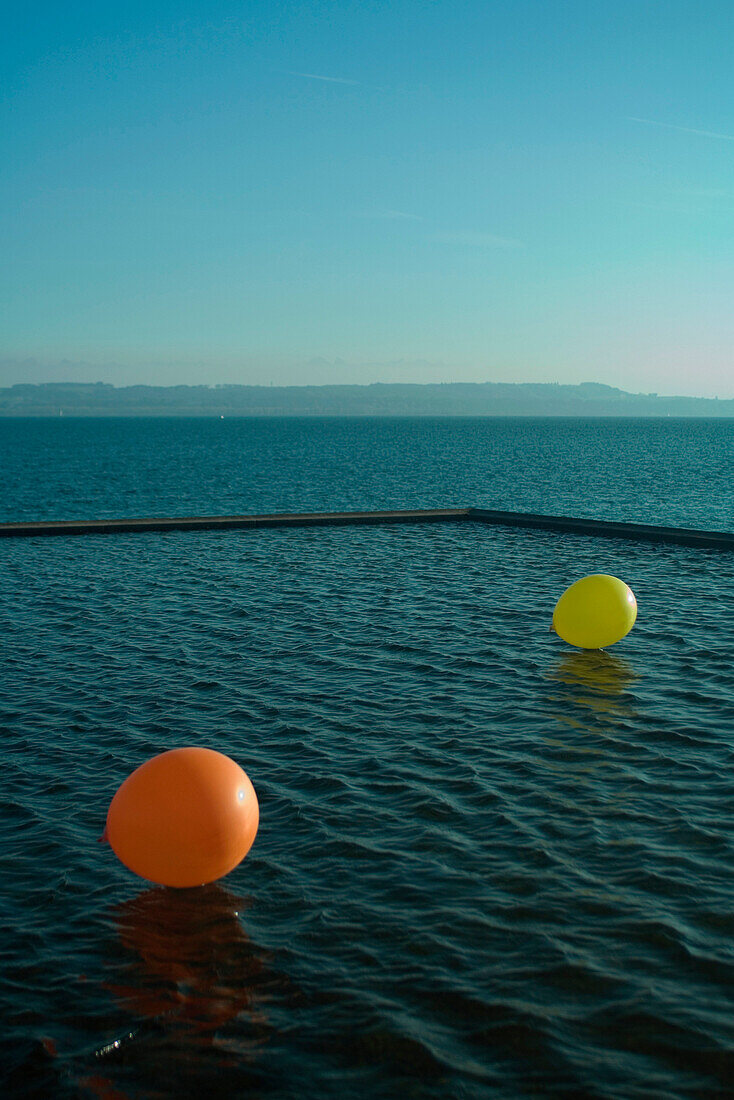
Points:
(597, 680)
(590, 697)
(594, 668)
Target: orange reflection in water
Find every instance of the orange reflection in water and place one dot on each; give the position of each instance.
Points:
(192, 972)
(195, 961)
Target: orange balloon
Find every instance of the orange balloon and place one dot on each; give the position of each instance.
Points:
(184, 818)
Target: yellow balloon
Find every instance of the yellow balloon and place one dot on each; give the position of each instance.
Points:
(595, 612)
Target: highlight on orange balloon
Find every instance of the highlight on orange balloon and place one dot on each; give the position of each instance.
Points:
(184, 818)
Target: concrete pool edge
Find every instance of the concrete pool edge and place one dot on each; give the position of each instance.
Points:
(643, 532)
(722, 540)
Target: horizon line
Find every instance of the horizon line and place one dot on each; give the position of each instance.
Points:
(213, 386)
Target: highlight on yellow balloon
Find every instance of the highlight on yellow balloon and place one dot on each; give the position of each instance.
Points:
(595, 612)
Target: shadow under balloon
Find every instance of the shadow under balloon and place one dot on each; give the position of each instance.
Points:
(196, 989)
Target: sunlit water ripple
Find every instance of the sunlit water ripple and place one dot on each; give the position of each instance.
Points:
(487, 866)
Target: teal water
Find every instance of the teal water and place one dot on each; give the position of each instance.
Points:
(487, 866)
(667, 471)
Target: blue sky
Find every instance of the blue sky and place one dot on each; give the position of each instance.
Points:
(471, 190)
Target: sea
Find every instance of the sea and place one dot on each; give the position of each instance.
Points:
(488, 865)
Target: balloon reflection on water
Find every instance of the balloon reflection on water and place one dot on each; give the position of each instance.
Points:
(194, 986)
(594, 679)
(195, 960)
(590, 698)
(601, 671)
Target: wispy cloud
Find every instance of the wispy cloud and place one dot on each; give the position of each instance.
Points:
(478, 240)
(683, 129)
(329, 79)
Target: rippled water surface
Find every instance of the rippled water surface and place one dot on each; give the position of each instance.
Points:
(649, 471)
(487, 866)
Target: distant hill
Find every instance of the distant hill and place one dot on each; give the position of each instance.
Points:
(378, 399)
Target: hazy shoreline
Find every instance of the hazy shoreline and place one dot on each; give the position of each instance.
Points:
(454, 399)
